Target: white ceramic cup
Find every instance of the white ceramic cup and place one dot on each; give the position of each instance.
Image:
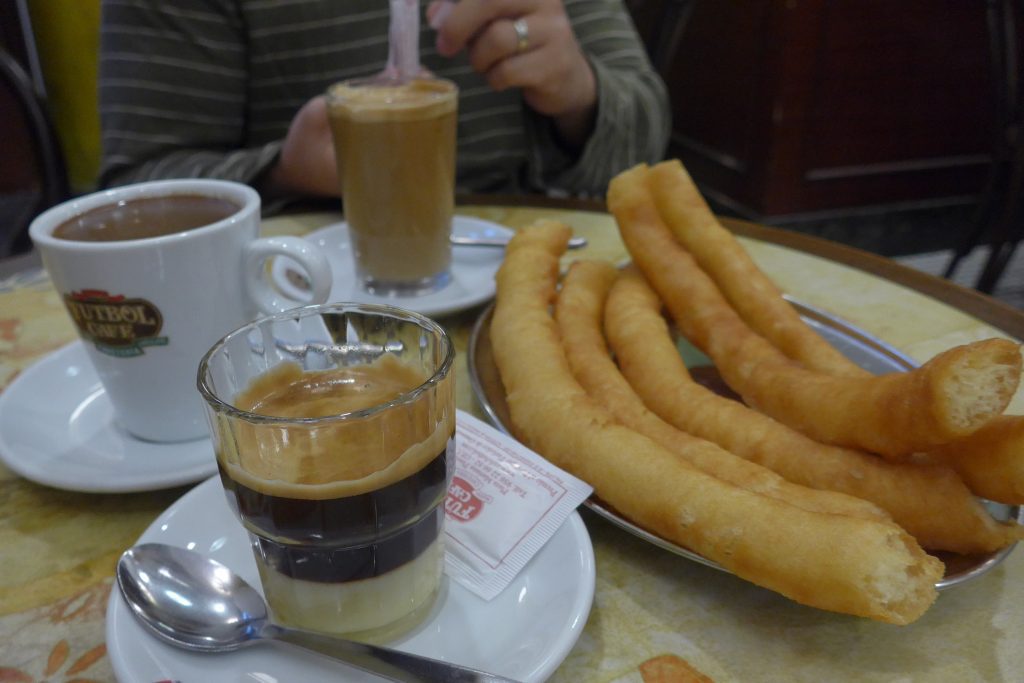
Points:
(148, 309)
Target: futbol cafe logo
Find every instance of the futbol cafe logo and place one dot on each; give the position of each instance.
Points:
(116, 325)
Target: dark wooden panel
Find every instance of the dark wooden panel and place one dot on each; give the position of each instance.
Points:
(714, 82)
(898, 82)
(818, 105)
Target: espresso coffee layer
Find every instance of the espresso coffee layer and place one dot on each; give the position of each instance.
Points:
(348, 538)
(351, 520)
(320, 459)
(145, 217)
(348, 563)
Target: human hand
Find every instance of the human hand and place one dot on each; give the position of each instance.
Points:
(549, 66)
(306, 165)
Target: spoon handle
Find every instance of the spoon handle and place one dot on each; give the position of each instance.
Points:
(394, 665)
(460, 241)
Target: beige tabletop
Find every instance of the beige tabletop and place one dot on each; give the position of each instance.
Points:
(58, 548)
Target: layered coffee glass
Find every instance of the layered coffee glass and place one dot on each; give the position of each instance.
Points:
(394, 143)
(334, 432)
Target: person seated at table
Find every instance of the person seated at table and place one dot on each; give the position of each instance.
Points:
(554, 97)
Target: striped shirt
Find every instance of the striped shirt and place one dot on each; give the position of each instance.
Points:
(208, 88)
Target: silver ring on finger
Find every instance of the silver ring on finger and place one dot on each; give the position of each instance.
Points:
(522, 34)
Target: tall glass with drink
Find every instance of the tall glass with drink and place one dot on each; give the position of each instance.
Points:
(395, 147)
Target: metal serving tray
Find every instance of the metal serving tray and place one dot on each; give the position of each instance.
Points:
(870, 353)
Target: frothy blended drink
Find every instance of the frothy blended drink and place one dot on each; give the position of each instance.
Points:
(345, 516)
(395, 147)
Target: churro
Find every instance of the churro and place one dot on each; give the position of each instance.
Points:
(930, 502)
(865, 567)
(749, 291)
(894, 415)
(578, 313)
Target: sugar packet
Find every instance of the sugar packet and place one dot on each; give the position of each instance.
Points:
(504, 503)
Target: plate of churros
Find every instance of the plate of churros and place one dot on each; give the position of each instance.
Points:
(718, 419)
(858, 345)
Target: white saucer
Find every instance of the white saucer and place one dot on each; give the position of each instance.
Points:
(57, 428)
(524, 633)
(473, 270)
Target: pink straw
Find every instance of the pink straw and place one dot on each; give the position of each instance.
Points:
(404, 37)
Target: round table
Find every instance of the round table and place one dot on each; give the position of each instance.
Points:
(58, 548)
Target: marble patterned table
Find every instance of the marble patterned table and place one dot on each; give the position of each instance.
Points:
(58, 548)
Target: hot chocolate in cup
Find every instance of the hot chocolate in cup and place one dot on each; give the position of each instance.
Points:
(395, 147)
(152, 274)
(334, 432)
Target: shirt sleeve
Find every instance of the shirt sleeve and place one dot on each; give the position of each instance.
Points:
(172, 93)
(633, 118)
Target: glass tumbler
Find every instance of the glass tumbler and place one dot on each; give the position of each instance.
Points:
(334, 431)
(395, 148)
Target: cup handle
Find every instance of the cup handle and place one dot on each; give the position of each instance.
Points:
(307, 255)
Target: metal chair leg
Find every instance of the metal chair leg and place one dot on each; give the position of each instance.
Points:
(1009, 228)
(1000, 16)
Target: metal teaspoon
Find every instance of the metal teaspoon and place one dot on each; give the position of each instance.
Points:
(460, 241)
(196, 603)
